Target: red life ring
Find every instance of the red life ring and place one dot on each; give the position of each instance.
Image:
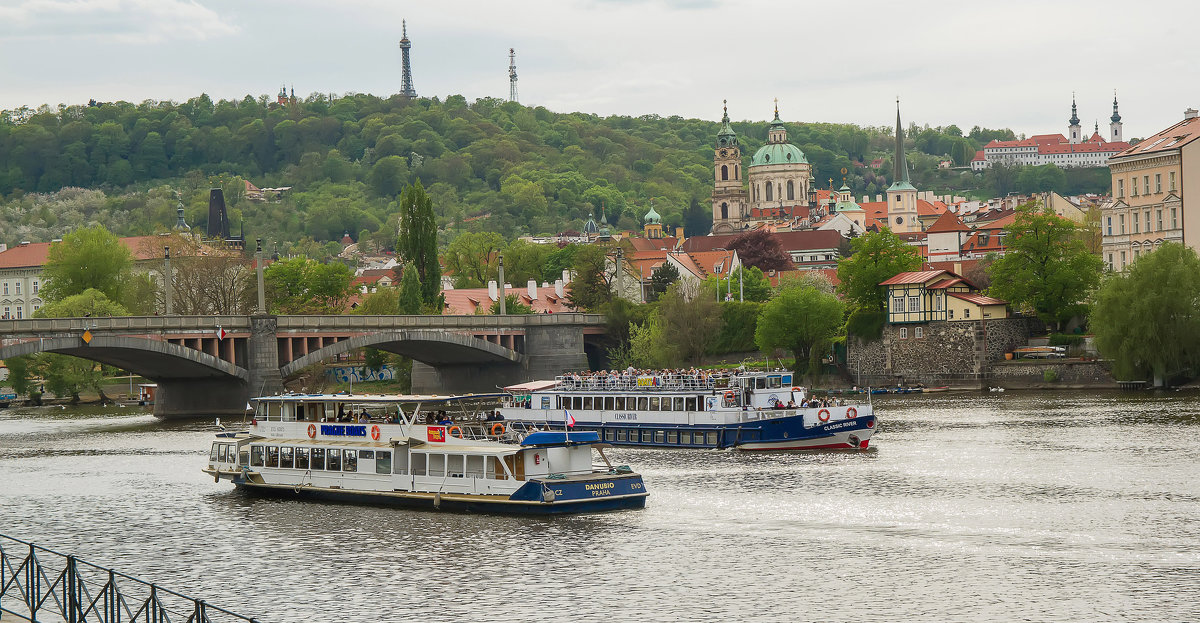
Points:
(451, 430)
(852, 413)
(312, 431)
(500, 427)
(729, 396)
(823, 415)
(375, 433)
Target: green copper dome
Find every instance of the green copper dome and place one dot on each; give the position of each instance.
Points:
(652, 217)
(778, 153)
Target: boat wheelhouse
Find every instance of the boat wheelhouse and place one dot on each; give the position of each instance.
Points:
(743, 410)
(432, 452)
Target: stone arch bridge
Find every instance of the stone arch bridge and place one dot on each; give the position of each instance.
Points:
(212, 365)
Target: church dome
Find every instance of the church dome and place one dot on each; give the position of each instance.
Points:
(652, 217)
(778, 153)
(590, 226)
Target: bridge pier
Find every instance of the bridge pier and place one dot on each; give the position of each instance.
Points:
(262, 353)
(211, 397)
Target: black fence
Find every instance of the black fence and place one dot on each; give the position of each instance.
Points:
(39, 584)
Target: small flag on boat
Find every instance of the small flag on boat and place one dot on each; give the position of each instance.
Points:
(570, 419)
(221, 333)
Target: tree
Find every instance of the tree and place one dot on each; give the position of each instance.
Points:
(90, 302)
(473, 259)
(388, 176)
(89, 258)
(1148, 319)
(751, 283)
(303, 286)
(662, 278)
(417, 242)
(209, 279)
(410, 292)
(1047, 268)
(878, 256)
(761, 249)
(64, 375)
(382, 302)
(800, 319)
(589, 289)
(690, 323)
(697, 220)
(512, 306)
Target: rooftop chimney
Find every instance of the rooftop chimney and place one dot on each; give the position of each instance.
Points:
(1190, 113)
(558, 288)
(533, 293)
(493, 290)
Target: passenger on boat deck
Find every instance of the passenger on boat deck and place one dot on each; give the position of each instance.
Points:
(791, 404)
(364, 417)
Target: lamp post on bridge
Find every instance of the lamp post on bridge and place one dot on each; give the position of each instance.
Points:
(503, 311)
(168, 278)
(258, 261)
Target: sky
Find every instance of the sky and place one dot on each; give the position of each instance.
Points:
(1003, 63)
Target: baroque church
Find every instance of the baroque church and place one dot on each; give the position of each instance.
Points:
(780, 176)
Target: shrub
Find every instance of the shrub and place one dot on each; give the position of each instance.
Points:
(739, 321)
(1065, 339)
(1050, 375)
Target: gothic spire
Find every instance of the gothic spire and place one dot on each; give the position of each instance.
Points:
(900, 165)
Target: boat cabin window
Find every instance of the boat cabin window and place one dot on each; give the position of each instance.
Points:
(609, 434)
(272, 456)
(318, 458)
(419, 464)
(333, 461)
(363, 455)
(474, 466)
(256, 456)
(645, 436)
(383, 462)
(787, 380)
(712, 439)
(437, 465)
(285, 457)
(577, 402)
(659, 436)
(691, 403)
(773, 382)
(654, 403)
(685, 437)
(301, 458)
(587, 403)
(620, 434)
(678, 403)
(672, 436)
(609, 403)
(760, 382)
(643, 403)
(212, 455)
(350, 461)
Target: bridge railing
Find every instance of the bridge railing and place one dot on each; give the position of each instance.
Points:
(515, 321)
(126, 323)
(39, 584)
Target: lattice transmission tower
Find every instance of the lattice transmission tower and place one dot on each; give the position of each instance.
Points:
(406, 84)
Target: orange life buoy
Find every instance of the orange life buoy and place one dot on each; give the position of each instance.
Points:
(450, 431)
(729, 396)
(312, 431)
(852, 413)
(375, 433)
(498, 429)
(823, 415)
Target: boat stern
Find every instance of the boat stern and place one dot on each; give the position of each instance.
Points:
(597, 492)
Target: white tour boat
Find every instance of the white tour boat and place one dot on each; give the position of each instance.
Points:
(743, 410)
(408, 451)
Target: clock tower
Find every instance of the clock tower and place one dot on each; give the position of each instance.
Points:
(728, 198)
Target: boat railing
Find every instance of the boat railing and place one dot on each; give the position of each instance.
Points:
(642, 382)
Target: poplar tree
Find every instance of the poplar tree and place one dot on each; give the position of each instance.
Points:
(417, 242)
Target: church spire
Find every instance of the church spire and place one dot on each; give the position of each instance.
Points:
(1074, 116)
(777, 133)
(1116, 118)
(900, 165)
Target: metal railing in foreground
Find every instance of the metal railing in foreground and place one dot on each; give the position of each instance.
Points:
(39, 584)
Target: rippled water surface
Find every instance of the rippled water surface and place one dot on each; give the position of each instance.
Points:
(998, 507)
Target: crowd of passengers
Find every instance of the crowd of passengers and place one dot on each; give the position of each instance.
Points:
(686, 377)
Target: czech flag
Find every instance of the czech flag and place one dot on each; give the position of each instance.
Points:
(570, 419)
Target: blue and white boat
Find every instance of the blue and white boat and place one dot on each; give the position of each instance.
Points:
(418, 451)
(743, 410)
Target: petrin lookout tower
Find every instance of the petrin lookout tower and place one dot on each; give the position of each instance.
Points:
(406, 84)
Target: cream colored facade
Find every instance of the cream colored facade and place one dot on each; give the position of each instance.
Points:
(20, 292)
(1151, 183)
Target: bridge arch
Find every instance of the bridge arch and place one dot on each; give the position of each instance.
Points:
(153, 359)
(436, 348)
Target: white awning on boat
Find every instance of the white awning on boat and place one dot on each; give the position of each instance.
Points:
(531, 386)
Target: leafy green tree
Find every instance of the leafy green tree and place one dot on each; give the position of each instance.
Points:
(512, 306)
(473, 259)
(802, 320)
(1047, 267)
(389, 176)
(877, 257)
(558, 261)
(382, 302)
(90, 258)
(690, 323)
(589, 290)
(525, 260)
(1148, 319)
(662, 278)
(417, 242)
(90, 302)
(410, 292)
(751, 283)
(648, 347)
(303, 286)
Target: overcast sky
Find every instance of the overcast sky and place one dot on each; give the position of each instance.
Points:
(998, 63)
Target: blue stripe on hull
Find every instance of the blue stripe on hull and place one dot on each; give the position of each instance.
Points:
(449, 502)
(783, 430)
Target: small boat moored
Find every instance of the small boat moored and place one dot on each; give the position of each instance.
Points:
(395, 450)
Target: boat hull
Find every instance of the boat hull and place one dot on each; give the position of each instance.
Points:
(576, 496)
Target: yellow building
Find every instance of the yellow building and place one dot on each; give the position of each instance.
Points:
(931, 295)
(1150, 184)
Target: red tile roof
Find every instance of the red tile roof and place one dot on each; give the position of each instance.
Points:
(470, 300)
(34, 254)
(802, 240)
(654, 244)
(913, 277)
(1171, 138)
(978, 156)
(947, 223)
(977, 299)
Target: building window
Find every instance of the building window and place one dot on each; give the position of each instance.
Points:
(1121, 222)
(1133, 186)
(1174, 223)
(967, 313)
(1110, 226)
(19, 312)
(904, 333)
(791, 194)
(918, 332)
(1120, 188)
(7, 313)
(17, 285)
(914, 304)
(1110, 264)
(938, 302)
(1136, 253)
(1122, 260)
(6, 287)
(1133, 220)
(1147, 221)
(1158, 183)
(1171, 178)
(35, 287)
(950, 314)
(770, 192)
(898, 304)
(1146, 184)
(1158, 218)
(724, 172)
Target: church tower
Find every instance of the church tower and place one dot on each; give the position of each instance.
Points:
(728, 198)
(901, 195)
(1115, 126)
(1075, 131)
(406, 85)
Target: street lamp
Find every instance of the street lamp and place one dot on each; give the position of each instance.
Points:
(168, 278)
(258, 261)
(503, 310)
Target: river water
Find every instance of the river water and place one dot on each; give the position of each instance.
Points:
(980, 507)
